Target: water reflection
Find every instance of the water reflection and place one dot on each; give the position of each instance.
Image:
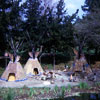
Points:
(84, 96)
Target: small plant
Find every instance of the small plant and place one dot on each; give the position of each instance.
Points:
(97, 83)
(68, 88)
(42, 91)
(25, 87)
(50, 66)
(63, 90)
(83, 85)
(56, 89)
(47, 90)
(32, 92)
(10, 95)
(21, 91)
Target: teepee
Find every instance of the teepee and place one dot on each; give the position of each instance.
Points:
(14, 71)
(81, 64)
(33, 67)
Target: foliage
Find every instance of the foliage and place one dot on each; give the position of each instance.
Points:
(1, 71)
(83, 85)
(10, 95)
(32, 92)
(63, 90)
(56, 89)
(91, 5)
(47, 26)
(60, 92)
(42, 92)
(68, 88)
(97, 83)
(47, 89)
(88, 38)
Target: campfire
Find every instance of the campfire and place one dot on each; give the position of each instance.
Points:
(71, 79)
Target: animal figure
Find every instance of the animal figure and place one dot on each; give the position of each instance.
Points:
(36, 53)
(11, 56)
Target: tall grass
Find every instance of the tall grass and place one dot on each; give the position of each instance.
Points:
(9, 95)
(68, 88)
(56, 89)
(32, 92)
(60, 92)
(1, 71)
(83, 85)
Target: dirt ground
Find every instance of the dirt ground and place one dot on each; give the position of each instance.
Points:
(24, 89)
(61, 79)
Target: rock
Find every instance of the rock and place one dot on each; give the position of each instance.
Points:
(52, 82)
(46, 83)
(43, 77)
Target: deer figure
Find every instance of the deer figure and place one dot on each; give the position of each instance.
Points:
(36, 53)
(11, 56)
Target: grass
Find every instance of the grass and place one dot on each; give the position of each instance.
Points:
(47, 66)
(83, 85)
(63, 90)
(1, 71)
(56, 89)
(68, 88)
(47, 89)
(32, 92)
(10, 95)
(60, 92)
(97, 83)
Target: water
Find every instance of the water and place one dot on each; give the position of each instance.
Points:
(84, 96)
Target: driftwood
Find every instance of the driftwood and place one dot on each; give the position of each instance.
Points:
(3, 57)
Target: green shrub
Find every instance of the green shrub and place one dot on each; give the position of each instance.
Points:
(47, 90)
(68, 88)
(42, 91)
(83, 85)
(25, 87)
(10, 95)
(21, 91)
(97, 83)
(56, 89)
(1, 71)
(32, 92)
(63, 90)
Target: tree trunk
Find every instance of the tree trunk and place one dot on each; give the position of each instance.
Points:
(33, 52)
(79, 51)
(96, 51)
(54, 61)
(14, 56)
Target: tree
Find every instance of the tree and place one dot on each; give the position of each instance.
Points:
(87, 34)
(61, 11)
(4, 7)
(31, 12)
(91, 5)
(60, 31)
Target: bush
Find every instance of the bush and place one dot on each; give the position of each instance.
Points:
(83, 85)
(97, 83)
(63, 90)
(32, 92)
(56, 89)
(68, 88)
(10, 95)
(47, 90)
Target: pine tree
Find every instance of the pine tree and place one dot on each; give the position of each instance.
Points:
(4, 7)
(91, 5)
